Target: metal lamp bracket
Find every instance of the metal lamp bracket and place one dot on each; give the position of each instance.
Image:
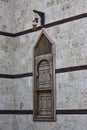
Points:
(42, 16)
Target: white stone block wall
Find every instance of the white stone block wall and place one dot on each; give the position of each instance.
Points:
(71, 86)
(64, 122)
(71, 46)
(6, 54)
(71, 90)
(16, 57)
(6, 15)
(54, 10)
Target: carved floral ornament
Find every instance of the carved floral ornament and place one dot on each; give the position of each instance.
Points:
(44, 79)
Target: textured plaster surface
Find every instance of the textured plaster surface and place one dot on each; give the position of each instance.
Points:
(54, 10)
(17, 16)
(16, 57)
(64, 122)
(71, 46)
(6, 16)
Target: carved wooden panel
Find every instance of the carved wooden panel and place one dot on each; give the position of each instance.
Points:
(44, 103)
(44, 75)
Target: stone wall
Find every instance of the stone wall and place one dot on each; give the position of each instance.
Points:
(64, 122)
(16, 57)
(54, 10)
(7, 98)
(6, 15)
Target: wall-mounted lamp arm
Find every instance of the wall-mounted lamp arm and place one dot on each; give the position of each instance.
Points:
(42, 16)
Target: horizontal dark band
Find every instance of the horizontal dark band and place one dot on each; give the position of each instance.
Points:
(73, 18)
(26, 112)
(7, 34)
(74, 111)
(52, 24)
(16, 112)
(69, 69)
(61, 70)
(9, 76)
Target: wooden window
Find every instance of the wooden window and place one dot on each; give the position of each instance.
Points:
(44, 80)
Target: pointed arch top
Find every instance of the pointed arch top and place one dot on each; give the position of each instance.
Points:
(44, 44)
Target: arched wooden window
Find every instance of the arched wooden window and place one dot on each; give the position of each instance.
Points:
(44, 80)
